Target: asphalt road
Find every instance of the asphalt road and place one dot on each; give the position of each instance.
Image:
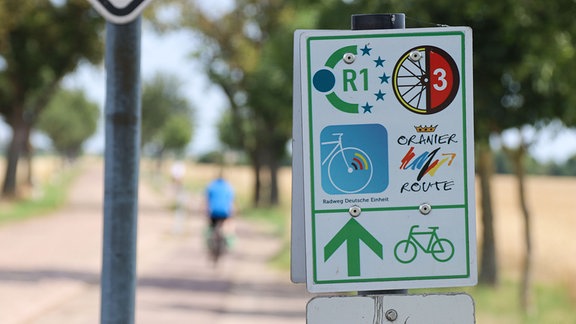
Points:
(50, 267)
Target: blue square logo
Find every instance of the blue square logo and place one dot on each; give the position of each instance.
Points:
(354, 159)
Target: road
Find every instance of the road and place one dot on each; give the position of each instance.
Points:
(50, 267)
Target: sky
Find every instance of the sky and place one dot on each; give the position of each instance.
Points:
(169, 53)
(166, 53)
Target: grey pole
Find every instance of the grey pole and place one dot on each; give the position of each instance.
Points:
(122, 155)
(379, 21)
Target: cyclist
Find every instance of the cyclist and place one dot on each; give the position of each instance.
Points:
(220, 202)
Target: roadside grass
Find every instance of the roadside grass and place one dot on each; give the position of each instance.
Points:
(275, 217)
(198, 176)
(272, 216)
(553, 303)
(49, 196)
(493, 305)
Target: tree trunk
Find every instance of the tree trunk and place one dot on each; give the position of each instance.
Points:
(20, 135)
(489, 260)
(256, 166)
(268, 179)
(526, 281)
(29, 164)
(274, 191)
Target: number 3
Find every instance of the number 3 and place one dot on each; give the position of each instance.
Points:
(442, 78)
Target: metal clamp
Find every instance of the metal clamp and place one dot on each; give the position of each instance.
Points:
(355, 211)
(349, 58)
(415, 56)
(391, 315)
(425, 209)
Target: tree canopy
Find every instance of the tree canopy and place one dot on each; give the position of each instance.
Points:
(238, 56)
(166, 115)
(518, 80)
(523, 70)
(69, 120)
(40, 42)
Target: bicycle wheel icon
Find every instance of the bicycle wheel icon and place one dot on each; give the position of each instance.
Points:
(405, 251)
(350, 170)
(425, 80)
(442, 250)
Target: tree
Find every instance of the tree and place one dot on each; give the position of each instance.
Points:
(518, 80)
(176, 133)
(69, 120)
(40, 42)
(166, 115)
(536, 93)
(246, 53)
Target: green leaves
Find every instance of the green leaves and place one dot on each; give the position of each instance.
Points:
(69, 120)
(166, 114)
(40, 43)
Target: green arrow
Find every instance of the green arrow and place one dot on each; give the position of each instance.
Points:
(352, 233)
(341, 104)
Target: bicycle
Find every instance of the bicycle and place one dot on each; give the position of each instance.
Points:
(216, 242)
(441, 249)
(425, 80)
(353, 172)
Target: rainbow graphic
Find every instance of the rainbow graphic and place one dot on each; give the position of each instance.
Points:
(359, 162)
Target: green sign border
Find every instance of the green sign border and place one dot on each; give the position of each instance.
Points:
(465, 149)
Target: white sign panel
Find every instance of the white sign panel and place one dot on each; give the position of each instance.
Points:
(119, 11)
(409, 309)
(387, 145)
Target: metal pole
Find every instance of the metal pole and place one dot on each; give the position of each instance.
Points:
(122, 153)
(379, 21)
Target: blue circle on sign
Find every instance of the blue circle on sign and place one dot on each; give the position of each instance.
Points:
(324, 80)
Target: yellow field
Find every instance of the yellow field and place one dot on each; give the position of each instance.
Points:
(553, 220)
(44, 169)
(241, 178)
(550, 201)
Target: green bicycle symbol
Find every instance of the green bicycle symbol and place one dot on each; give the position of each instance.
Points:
(441, 249)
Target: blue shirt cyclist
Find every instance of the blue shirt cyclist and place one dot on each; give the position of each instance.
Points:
(220, 200)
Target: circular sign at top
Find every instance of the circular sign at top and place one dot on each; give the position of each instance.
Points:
(425, 80)
(119, 11)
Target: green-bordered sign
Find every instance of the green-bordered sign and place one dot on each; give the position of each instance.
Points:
(387, 158)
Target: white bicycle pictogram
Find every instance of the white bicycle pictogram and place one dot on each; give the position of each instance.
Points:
(349, 168)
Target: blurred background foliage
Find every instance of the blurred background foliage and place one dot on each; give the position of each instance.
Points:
(524, 74)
